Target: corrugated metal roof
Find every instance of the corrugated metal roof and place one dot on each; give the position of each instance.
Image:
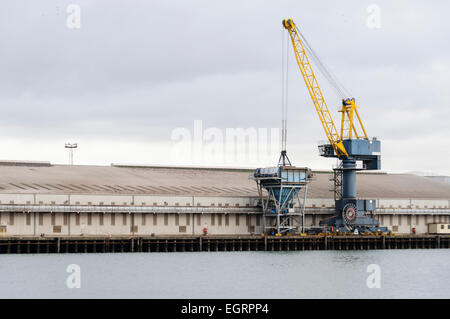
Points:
(64, 179)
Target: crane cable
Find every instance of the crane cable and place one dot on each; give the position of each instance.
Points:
(284, 87)
(332, 79)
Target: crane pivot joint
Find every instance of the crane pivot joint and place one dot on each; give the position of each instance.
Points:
(288, 23)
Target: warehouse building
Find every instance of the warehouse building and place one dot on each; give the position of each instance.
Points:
(41, 199)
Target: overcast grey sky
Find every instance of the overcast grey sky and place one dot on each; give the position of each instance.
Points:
(136, 70)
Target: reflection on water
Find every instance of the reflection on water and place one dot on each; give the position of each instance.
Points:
(307, 274)
(346, 259)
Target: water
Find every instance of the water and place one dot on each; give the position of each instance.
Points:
(314, 274)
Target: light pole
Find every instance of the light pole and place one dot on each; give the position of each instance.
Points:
(71, 147)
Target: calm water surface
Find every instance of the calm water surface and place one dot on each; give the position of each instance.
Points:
(314, 274)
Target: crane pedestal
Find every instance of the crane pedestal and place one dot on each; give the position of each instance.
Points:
(352, 213)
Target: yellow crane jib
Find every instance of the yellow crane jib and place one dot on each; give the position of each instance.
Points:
(314, 89)
(348, 109)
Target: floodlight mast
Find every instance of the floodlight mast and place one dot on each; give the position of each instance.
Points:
(71, 147)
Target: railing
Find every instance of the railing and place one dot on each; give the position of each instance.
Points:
(126, 209)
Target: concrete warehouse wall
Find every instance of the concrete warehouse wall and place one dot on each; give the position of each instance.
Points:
(145, 224)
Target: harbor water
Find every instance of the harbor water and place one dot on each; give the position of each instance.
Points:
(307, 274)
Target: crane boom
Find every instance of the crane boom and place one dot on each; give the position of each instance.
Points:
(314, 89)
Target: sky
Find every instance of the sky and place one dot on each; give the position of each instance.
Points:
(132, 81)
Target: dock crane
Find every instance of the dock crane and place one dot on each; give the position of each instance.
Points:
(349, 145)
